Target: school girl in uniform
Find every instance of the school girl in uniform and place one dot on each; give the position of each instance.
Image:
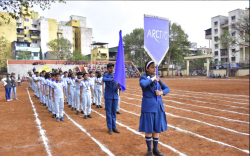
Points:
(98, 89)
(92, 80)
(153, 118)
(86, 92)
(58, 93)
(77, 93)
(68, 100)
(43, 91)
(36, 85)
(72, 91)
(65, 81)
(33, 82)
(53, 78)
(46, 87)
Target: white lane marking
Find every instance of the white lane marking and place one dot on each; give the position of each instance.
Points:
(41, 130)
(138, 133)
(199, 101)
(224, 118)
(85, 131)
(195, 120)
(197, 135)
(240, 103)
(222, 110)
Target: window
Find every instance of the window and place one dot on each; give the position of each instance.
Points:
(34, 41)
(26, 20)
(26, 35)
(224, 59)
(216, 46)
(19, 40)
(216, 53)
(216, 38)
(75, 21)
(233, 50)
(216, 23)
(35, 54)
(39, 24)
(215, 60)
(233, 34)
(233, 18)
(216, 31)
(26, 27)
(232, 58)
(26, 41)
(34, 26)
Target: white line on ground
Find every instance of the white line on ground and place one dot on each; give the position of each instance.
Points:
(195, 120)
(231, 120)
(85, 131)
(138, 133)
(197, 135)
(41, 130)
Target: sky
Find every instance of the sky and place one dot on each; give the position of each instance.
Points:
(106, 18)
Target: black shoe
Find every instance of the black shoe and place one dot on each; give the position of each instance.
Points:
(93, 103)
(67, 103)
(118, 112)
(44, 104)
(41, 103)
(110, 131)
(150, 153)
(89, 116)
(158, 152)
(100, 106)
(85, 117)
(75, 108)
(69, 106)
(77, 112)
(72, 108)
(116, 130)
(82, 112)
(46, 107)
(97, 106)
(53, 115)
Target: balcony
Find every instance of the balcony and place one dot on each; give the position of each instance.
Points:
(35, 37)
(224, 26)
(20, 34)
(60, 31)
(208, 33)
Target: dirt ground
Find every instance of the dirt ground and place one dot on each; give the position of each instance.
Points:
(205, 117)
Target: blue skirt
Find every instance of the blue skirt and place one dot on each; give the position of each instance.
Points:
(151, 122)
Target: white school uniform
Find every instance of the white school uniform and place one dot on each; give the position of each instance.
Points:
(72, 89)
(59, 97)
(86, 95)
(51, 97)
(65, 81)
(98, 91)
(42, 79)
(47, 97)
(92, 80)
(33, 82)
(78, 96)
(36, 86)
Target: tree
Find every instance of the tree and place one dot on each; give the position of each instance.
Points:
(40, 54)
(178, 42)
(134, 47)
(198, 63)
(14, 8)
(242, 28)
(227, 41)
(60, 48)
(5, 51)
(24, 55)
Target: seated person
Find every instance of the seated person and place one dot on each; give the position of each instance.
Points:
(180, 74)
(213, 76)
(216, 76)
(224, 76)
(219, 76)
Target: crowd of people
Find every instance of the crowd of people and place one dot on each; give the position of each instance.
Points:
(217, 76)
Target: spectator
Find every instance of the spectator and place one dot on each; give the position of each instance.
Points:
(219, 76)
(7, 86)
(213, 76)
(216, 76)
(224, 76)
(19, 80)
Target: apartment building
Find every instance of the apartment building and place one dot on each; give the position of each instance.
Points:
(237, 54)
(32, 33)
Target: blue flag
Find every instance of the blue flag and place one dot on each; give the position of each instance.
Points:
(120, 74)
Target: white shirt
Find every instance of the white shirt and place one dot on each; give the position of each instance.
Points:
(92, 80)
(97, 85)
(65, 81)
(51, 84)
(72, 83)
(78, 85)
(58, 89)
(85, 86)
(37, 79)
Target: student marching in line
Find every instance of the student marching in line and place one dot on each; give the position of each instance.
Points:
(53, 78)
(92, 80)
(36, 85)
(77, 93)
(58, 93)
(65, 81)
(153, 118)
(72, 90)
(86, 91)
(111, 98)
(46, 90)
(98, 89)
(33, 82)
(40, 79)
(68, 78)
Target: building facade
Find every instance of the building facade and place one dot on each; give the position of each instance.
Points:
(36, 32)
(237, 53)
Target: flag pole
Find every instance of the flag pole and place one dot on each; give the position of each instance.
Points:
(157, 81)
